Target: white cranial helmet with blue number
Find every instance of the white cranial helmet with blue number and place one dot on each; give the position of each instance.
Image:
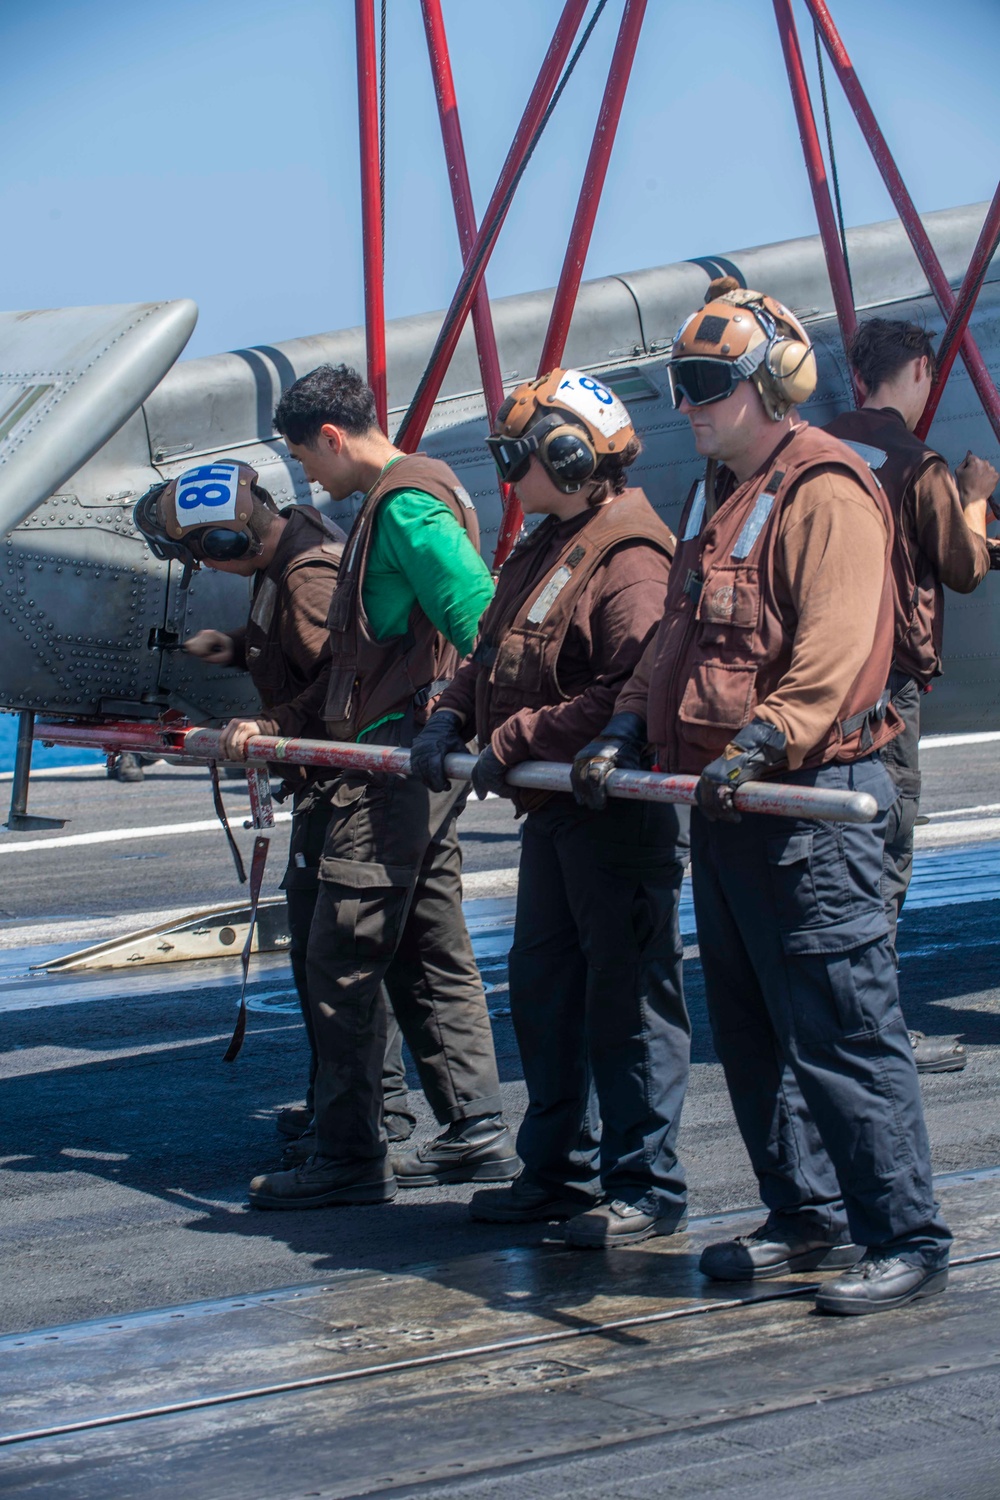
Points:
(582, 397)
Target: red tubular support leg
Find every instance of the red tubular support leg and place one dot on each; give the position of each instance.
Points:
(411, 428)
(919, 239)
(951, 339)
(465, 217)
(583, 223)
(371, 205)
(816, 168)
(593, 185)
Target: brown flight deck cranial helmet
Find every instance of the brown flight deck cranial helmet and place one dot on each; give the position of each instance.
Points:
(755, 333)
(569, 419)
(216, 512)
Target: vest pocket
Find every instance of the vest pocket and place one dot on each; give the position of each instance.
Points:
(519, 661)
(719, 696)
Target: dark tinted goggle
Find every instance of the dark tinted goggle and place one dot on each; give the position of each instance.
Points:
(216, 543)
(702, 381)
(512, 455)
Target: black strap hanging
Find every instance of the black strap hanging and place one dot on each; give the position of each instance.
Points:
(220, 812)
(257, 863)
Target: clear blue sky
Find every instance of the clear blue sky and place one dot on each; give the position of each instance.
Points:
(208, 148)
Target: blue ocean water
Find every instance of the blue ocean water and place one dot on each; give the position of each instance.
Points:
(55, 755)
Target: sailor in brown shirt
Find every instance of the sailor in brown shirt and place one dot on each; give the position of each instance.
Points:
(292, 556)
(940, 540)
(771, 660)
(595, 969)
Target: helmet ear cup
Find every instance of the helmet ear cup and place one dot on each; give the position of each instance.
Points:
(568, 456)
(792, 366)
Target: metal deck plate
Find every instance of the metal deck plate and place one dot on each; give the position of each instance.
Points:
(465, 1367)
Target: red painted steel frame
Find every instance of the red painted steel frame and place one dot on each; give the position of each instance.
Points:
(583, 224)
(412, 428)
(461, 193)
(371, 205)
(927, 256)
(593, 185)
(989, 238)
(816, 168)
(465, 218)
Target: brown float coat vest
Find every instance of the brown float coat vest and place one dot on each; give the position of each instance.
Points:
(723, 645)
(898, 459)
(525, 626)
(309, 540)
(371, 679)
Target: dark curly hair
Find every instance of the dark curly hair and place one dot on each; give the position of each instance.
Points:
(331, 393)
(611, 474)
(880, 347)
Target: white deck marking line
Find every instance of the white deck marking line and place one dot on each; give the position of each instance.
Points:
(947, 741)
(114, 835)
(963, 812)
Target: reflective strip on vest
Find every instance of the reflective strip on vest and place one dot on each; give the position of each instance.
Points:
(696, 514)
(873, 457)
(549, 595)
(753, 526)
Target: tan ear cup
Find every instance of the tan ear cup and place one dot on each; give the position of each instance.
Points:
(793, 369)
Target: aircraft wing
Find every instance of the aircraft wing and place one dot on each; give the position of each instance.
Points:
(69, 378)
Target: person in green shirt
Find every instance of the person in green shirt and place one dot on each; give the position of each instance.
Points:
(409, 595)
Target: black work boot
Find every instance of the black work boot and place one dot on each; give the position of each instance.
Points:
(126, 767)
(476, 1150)
(774, 1252)
(524, 1202)
(398, 1127)
(294, 1120)
(619, 1223)
(937, 1054)
(298, 1152)
(320, 1181)
(881, 1282)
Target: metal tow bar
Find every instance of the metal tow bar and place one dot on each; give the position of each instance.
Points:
(770, 797)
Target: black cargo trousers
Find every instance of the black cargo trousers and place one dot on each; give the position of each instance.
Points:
(902, 760)
(389, 911)
(800, 985)
(310, 817)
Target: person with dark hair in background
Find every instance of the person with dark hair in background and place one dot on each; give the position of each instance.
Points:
(772, 660)
(410, 590)
(595, 969)
(940, 539)
(292, 555)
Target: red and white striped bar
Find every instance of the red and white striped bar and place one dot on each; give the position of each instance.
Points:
(547, 776)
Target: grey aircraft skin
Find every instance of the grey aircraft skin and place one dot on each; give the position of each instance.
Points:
(81, 593)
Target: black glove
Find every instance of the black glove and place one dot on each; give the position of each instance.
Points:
(756, 748)
(489, 775)
(440, 736)
(618, 747)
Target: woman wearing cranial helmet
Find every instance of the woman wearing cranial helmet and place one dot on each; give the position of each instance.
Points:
(595, 969)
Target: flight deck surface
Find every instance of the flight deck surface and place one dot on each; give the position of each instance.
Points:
(427, 1354)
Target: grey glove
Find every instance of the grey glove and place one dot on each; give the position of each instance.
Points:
(440, 736)
(618, 747)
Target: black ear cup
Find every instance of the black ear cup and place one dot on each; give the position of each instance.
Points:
(569, 458)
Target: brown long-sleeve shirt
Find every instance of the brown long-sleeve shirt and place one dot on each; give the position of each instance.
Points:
(615, 616)
(830, 563)
(304, 639)
(945, 550)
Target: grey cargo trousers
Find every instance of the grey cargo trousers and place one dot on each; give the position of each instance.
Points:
(389, 910)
